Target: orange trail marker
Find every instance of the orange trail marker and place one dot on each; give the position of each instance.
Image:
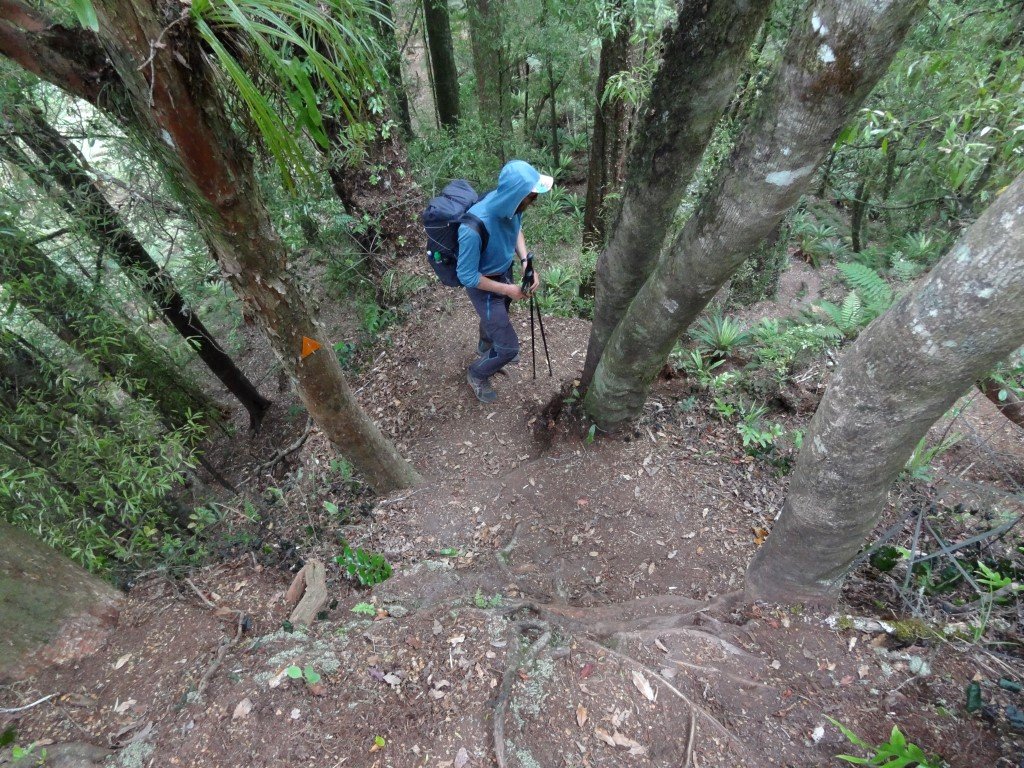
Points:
(309, 346)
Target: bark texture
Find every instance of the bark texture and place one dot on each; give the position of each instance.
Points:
(608, 118)
(903, 373)
(64, 167)
(52, 611)
(442, 61)
(703, 54)
(490, 65)
(836, 54)
(175, 103)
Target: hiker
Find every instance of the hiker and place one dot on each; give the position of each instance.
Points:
(487, 274)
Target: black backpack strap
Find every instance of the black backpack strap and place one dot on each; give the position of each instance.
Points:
(474, 223)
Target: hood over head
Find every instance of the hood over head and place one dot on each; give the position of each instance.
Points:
(516, 180)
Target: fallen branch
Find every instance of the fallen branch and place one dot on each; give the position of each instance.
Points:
(281, 454)
(1011, 406)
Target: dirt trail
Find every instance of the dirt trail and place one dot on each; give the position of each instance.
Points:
(511, 569)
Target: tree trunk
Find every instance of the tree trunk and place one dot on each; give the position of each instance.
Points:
(831, 63)
(442, 61)
(486, 28)
(553, 87)
(74, 315)
(860, 207)
(393, 66)
(704, 51)
(52, 611)
(182, 114)
(85, 200)
(1012, 407)
(903, 373)
(609, 115)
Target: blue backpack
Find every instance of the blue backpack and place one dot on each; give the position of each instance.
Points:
(441, 219)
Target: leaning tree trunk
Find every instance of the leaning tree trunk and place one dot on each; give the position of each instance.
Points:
(52, 611)
(78, 319)
(831, 63)
(442, 61)
(608, 117)
(704, 51)
(84, 200)
(902, 374)
(174, 101)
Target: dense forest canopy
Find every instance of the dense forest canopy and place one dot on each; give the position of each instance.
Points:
(210, 236)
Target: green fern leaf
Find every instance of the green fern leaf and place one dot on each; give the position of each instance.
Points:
(852, 313)
(871, 286)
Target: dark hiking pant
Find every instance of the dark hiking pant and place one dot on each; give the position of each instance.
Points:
(496, 331)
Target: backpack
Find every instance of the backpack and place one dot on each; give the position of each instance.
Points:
(441, 219)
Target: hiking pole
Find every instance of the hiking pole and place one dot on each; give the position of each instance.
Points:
(528, 289)
(543, 338)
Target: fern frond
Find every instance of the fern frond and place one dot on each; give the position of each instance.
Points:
(872, 287)
(852, 313)
(904, 269)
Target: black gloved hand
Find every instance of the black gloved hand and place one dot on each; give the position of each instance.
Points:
(527, 285)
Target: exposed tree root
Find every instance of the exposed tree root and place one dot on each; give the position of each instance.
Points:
(650, 634)
(508, 680)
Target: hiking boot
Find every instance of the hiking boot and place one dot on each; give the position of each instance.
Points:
(482, 348)
(481, 388)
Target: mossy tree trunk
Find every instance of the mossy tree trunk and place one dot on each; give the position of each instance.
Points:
(836, 54)
(609, 115)
(442, 61)
(51, 610)
(704, 51)
(901, 375)
(490, 65)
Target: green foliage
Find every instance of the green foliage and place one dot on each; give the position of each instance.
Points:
(720, 336)
(366, 568)
(919, 465)
(779, 347)
(815, 239)
(480, 600)
(897, 752)
(364, 609)
(758, 436)
(301, 49)
(307, 673)
(94, 476)
(875, 293)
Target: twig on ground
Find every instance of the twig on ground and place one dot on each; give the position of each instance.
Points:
(694, 707)
(508, 679)
(200, 595)
(225, 644)
(12, 710)
(690, 739)
(281, 454)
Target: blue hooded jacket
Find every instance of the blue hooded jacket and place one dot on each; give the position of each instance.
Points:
(498, 213)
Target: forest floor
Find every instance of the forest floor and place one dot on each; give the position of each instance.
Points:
(555, 601)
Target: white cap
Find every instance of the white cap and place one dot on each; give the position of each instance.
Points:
(544, 184)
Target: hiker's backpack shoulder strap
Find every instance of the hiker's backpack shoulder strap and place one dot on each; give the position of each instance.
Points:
(474, 223)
